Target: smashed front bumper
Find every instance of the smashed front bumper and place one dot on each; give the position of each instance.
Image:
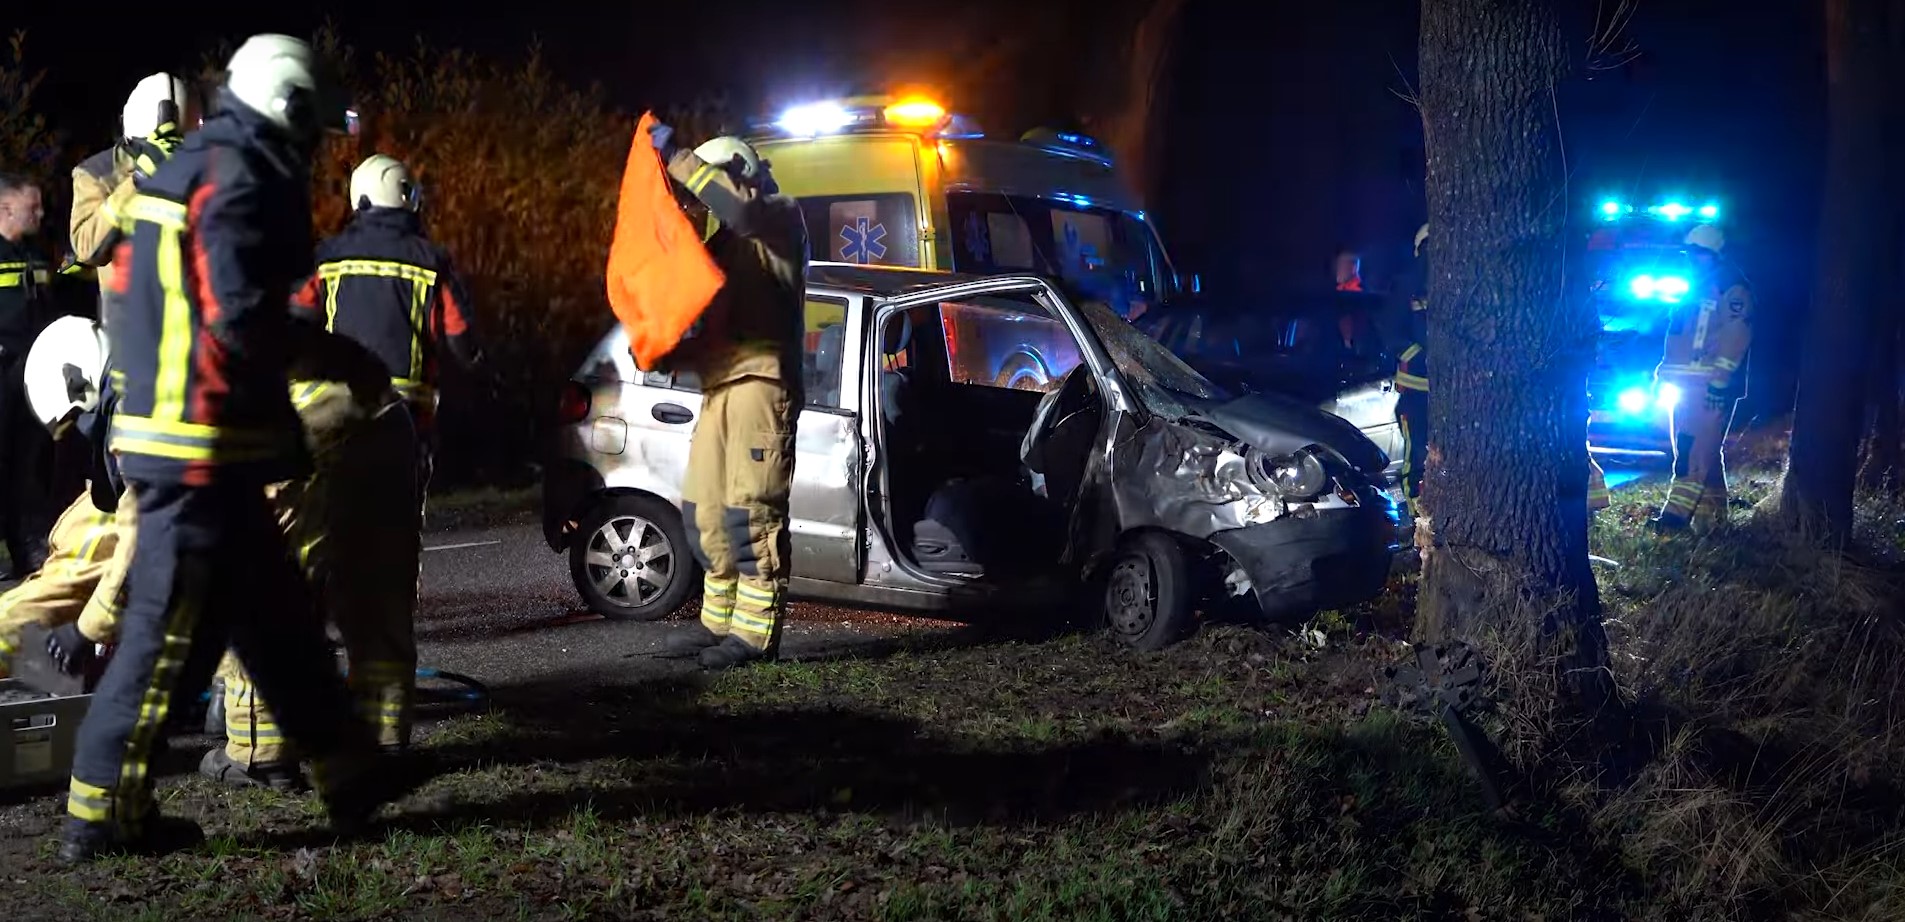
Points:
(1332, 558)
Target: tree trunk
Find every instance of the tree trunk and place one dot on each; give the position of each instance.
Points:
(1854, 250)
(1880, 468)
(1136, 127)
(1509, 346)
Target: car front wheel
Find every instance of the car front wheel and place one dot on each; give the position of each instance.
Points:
(630, 559)
(1147, 593)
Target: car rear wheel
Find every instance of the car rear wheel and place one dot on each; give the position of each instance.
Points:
(630, 559)
(1147, 593)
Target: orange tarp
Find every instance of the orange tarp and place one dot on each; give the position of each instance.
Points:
(660, 276)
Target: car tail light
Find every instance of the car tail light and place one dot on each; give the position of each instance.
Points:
(573, 406)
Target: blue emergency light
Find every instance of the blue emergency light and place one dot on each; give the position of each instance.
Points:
(1637, 399)
(1667, 289)
(1612, 209)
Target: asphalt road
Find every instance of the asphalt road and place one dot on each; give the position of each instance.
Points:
(498, 606)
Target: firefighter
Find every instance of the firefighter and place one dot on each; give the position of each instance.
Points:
(1348, 267)
(1707, 340)
(219, 235)
(152, 124)
(355, 526)
(747, 354)
(63, 374)
(1598, 497)
(25, 307)
(385, 284)
(1412, 379)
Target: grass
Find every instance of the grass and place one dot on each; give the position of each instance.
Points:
(1243, 774)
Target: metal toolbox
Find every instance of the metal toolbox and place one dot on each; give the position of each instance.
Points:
(37, 734)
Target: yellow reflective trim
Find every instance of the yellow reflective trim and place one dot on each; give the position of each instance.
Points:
(1410, 382)
(1414, 350)
(419, 299)
(330, 305)
(193, 441)
(88, 802)
(699, 180)
(13, 265)
(1725, 364)
(175, 332)
(12, 279)
(336, 269)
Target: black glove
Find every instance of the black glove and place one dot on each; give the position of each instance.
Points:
(70, 651)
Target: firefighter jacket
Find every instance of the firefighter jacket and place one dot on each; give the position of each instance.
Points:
(25, 297)
(103, 177)
(384, 284)
(754, 325)
(1708, 336)
(219, 235)
(337, 385)
(1412, 362)
(103, 483)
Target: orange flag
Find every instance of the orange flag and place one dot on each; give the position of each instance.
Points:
(660, 277)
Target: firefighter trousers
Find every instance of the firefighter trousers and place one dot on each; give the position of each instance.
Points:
(354, 527)
(1412, 415)
(205, 556)
(79, 552)
(1698, 493)
(1598, 497)
(734, 505)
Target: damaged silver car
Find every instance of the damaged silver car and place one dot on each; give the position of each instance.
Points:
(928, 480)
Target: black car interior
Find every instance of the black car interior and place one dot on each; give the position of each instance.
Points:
(959, 497)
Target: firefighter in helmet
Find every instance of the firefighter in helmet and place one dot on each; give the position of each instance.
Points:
(1707, 340)
(1412, 378)
(200, 431)
(384, 283)
(747, 353)
(152, 124)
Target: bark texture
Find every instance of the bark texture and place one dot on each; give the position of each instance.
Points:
(1853, 257)
(1137, 127)
(1509, 348)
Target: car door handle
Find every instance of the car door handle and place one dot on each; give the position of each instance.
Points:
(673, 414)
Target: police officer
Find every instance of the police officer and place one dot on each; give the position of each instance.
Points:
(747, 355)
(25, 307)
(152, 124)
(385, 284)
(1412, 378)
(1707, 340)
(204, 423)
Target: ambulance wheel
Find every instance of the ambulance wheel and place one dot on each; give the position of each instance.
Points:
(1022, 372)
(1148, 594)
(631, 561)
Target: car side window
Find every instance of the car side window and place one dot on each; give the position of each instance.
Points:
(822, 351)
(1000, 342)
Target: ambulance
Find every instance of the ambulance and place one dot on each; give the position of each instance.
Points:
(1640, 275)
(902, 182)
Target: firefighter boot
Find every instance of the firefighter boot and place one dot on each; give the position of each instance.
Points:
(278, 776)
(729, 653)
(1710, 515)
(82, 841)
(369, 782)
(691, 641)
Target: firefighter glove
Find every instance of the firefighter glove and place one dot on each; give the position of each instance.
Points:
(1717, 396)
(70, 651)
(660, 135)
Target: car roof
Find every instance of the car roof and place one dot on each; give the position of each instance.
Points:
(881, 281)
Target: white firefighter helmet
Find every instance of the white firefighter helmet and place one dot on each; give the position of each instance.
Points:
(157, 100)
(281, 78)
(721, 151)
(1706, 237)
(63, 369)
(384, 182)
(1422, 235)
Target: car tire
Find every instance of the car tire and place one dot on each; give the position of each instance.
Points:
(1148, 598)
(630, 559)
(1022, 372)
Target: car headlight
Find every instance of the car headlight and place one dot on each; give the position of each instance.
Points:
(1298, 475)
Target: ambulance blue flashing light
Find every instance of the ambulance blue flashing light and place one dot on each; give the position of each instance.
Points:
(1709, 211)
(1636, 400)
(1612, 209)
(1668, 289)
(826, 117)
(1068, 142)
(815, 119)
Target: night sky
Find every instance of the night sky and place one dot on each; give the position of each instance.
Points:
(1286, 136)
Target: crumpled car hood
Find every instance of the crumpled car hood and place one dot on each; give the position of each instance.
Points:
(1281, 425)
